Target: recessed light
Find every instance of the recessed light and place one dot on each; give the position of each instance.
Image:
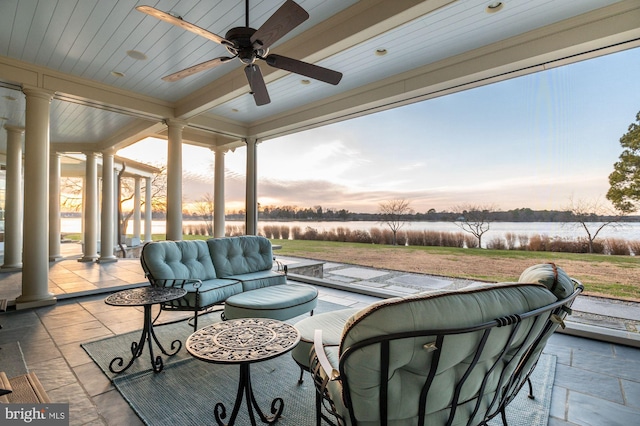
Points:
(235, 110)
(381, 52)
(494, 7)
(305, 81)
(9, 98)
(117, 74)
(138, 56)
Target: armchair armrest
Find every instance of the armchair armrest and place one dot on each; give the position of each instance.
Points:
(320, 354)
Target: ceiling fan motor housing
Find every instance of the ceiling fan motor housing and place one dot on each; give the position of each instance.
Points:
(242, 45)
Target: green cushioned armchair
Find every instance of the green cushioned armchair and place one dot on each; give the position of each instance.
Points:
(438, 358)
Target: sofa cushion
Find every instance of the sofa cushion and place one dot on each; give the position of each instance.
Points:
(212, 291)
(438, 310)
(255, 280)
(240, 255)
(166, 260)
(280, 302)
(552, 276)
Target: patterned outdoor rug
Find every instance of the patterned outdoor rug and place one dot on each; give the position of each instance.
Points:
(187, 389)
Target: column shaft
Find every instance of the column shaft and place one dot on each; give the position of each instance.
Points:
(218, 195)
(13, 200)
(35, 271)
(137, 200)
(54, 207)
(108, 211)
(148, 210)
(90, 209)
(251, 220)
(174, 181)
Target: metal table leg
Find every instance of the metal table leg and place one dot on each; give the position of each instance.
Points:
(137, 347)
(244, 387)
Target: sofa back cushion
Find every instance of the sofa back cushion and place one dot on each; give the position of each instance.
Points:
(410, 359)
(240, 255)
(165, 260)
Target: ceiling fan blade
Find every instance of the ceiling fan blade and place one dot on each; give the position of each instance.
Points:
(179, 22)
(289, 16)
(257, 84)
(196, 68)
(304, 68)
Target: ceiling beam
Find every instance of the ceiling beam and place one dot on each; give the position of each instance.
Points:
(360, 22)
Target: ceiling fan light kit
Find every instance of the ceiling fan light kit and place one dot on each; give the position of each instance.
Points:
(248, 44)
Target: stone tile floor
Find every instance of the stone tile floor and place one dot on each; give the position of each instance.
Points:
(597, 383)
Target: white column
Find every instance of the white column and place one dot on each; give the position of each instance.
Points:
(251, 220)
(35, 258)
(174, 180)
(54, 207)
(137, 200)
(148, 210)
(218, 194)
(13, 200)
(90, 209)
(107, 212)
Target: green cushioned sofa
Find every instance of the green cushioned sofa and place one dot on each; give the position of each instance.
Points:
(211, 271)
(441, 357)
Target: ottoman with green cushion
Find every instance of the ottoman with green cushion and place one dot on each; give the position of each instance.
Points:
(279, 302)
(331, 323)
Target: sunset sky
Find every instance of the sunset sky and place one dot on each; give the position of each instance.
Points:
(535, 141)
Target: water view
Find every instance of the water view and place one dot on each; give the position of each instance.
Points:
(626, 230)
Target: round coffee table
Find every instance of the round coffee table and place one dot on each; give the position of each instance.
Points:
(145, 297)
(244, 341)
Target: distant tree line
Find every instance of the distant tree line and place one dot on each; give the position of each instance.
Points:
(317, 213)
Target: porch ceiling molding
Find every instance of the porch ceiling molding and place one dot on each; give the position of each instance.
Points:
(82, 91)
(607, 30)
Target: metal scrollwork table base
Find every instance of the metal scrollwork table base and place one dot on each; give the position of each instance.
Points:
(145, 297)
(244, 341)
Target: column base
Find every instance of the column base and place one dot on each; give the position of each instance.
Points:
(88, 259)
(107, 260)
(55, 258)
(51, 300)
(12, 268)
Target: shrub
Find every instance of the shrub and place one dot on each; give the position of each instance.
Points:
(496, 243)
(523, 241)
(360, 236)
(635, 247)
(415, 238)
(284, 232)
(470, 241)
(432, 238)
(617, 247)
(376, 235)
(538, 243)
(510, 238)
(296, 231)
(310, 233)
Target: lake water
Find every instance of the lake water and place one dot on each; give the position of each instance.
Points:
(626, 230)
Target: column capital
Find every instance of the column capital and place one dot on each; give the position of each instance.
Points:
(38, 92)
(14, 129)
(170, 122)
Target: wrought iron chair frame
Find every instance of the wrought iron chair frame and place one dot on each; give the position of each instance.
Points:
(552, 314)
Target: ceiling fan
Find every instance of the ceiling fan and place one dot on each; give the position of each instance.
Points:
(248, 44)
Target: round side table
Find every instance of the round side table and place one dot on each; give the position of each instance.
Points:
(244, 341)
(145, 297)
